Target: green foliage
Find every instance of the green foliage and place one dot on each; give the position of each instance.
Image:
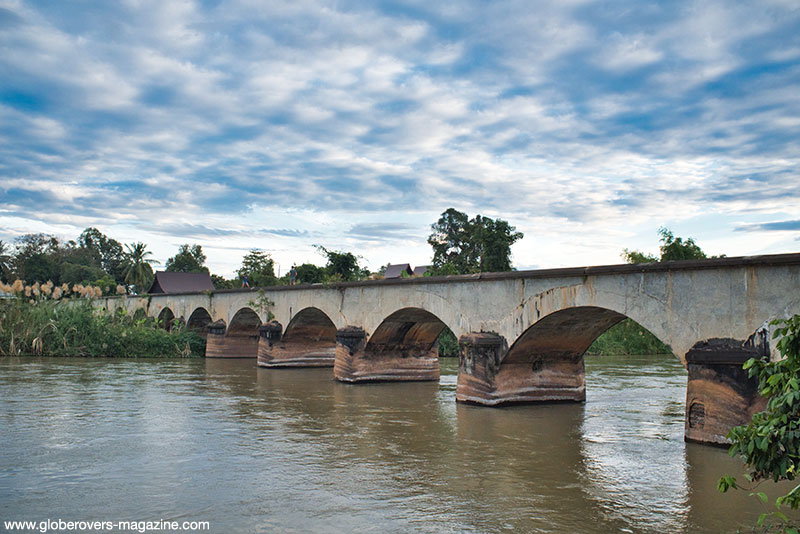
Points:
(259, 268)
(308, 273)
(138, 272)
(675, 248)
(672, 248)
(220, 282)
(634, 256)
(342, 266)
(5, 262)
(448, 344)
(462, 245)
(189, 259)
(628, 337)
(75, 328)
(107, 251)
(262, 305)
(770, 443)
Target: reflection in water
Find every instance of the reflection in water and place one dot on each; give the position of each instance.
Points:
(292, 450)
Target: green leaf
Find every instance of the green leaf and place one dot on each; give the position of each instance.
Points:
(761, 519)
(761, 495)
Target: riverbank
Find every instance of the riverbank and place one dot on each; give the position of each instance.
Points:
(75, 328)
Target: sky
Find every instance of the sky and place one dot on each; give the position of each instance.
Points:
(249, 124)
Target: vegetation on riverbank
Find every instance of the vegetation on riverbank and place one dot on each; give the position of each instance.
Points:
(45, 326)
(628, 337)
(770, 443)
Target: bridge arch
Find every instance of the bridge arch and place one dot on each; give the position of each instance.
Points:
(198, 320)
(309, 340)
(565, 334)
(311, 324)
(407, 331)
(245, 322)
(402, 348)
(166, 318)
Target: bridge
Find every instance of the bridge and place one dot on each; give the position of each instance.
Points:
(522, 334)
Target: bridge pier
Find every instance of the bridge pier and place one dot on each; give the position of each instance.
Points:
(302, 351)
(719, 394)
(483, 380)
(222, 344)
(387, 363)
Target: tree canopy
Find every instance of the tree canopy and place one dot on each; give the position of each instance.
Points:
(136, 267)
(259, 268)
(462, 245)
(342, 266)
(189, 259)
(672, 248)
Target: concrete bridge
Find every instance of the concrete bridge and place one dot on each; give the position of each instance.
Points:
(522, 334)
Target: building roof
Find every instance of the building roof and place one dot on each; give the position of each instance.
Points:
(396, 271)
(419, 270)
(166, 282)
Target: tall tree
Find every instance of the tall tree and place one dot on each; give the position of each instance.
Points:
(462, 245)
(108, 251)
(342, 265)
(308, 273)
(259, 268)
(137, 267)
(5, 262)
(35, 260)
(672, 248)
(189, 259)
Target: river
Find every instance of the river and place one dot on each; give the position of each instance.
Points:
(271, 450)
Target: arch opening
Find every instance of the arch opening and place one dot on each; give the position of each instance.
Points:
(564, 335)
(166, 319)
(310, 325)
(544, 364)
(244, 323)
(308, 341)
(198, 320)
(406, 333)
(139, 314)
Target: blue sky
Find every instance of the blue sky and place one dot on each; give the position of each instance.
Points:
(280, 125)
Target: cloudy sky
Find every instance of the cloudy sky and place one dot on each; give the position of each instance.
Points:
(353, 124)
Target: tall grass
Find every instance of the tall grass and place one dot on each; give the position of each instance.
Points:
(75, 328)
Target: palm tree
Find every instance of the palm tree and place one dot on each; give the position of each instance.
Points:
(5, 261)
(138, 272)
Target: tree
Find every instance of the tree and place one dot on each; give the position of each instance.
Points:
(259, 268)
(108, 251)
(137, 267)
(672, 248)
(35, 258)
(308, 273)
(770, 443)
(188, 260)
(462, 245)
(342, 266)
(5, 262)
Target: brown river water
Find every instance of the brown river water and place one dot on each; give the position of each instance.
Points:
(273, 450)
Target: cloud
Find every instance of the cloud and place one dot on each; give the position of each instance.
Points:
(777, 226)
(191, 119)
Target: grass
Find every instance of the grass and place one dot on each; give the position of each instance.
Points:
(75, 328)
